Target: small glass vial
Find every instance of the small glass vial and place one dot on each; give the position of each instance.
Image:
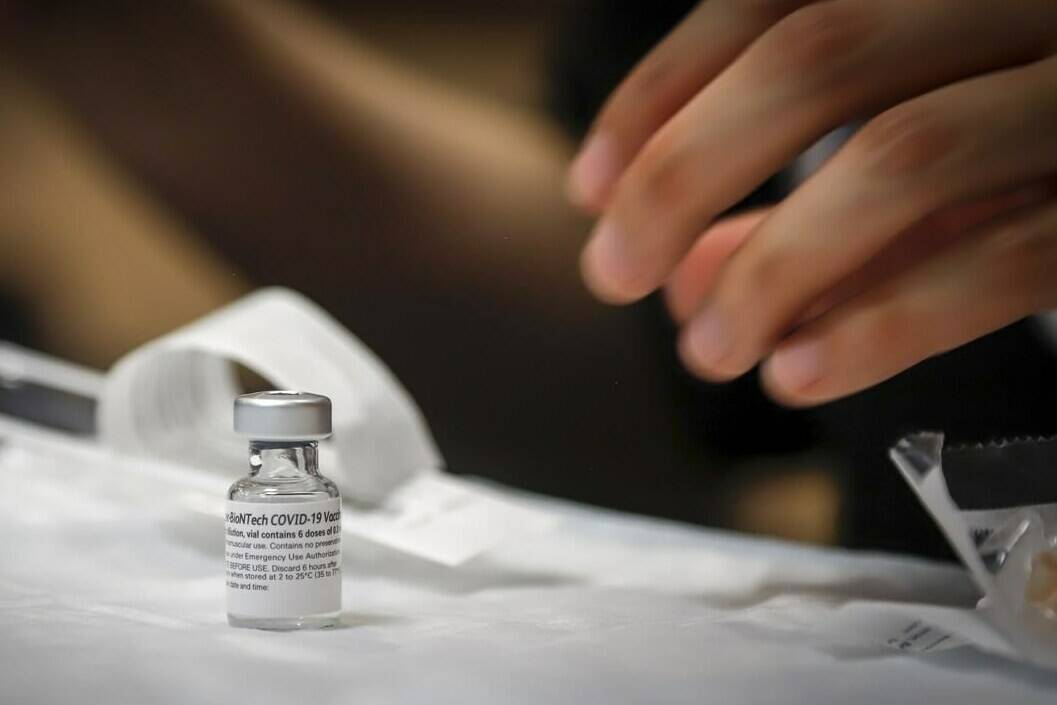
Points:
(283, 520)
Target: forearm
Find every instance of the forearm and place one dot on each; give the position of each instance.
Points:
(94, 257)
(489, 175)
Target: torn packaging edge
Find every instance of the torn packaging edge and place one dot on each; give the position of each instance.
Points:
(920, 458)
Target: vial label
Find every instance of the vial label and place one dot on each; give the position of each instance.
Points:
(283, 559)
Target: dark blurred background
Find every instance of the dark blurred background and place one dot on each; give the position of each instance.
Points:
(402, 163)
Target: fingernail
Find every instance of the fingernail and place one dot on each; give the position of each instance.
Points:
(592, 172)
(708, 338)
(796, 366)
(609, 268)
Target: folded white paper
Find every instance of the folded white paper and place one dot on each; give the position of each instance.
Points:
(172, 399)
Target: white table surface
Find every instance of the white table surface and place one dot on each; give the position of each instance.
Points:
(111, 591)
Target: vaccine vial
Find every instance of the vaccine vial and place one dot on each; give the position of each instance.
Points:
(283, 520)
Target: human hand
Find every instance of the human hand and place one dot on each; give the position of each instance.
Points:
(934, 225)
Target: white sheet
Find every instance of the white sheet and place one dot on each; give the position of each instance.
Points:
(111, 591)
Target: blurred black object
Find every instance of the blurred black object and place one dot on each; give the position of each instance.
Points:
(55, 408)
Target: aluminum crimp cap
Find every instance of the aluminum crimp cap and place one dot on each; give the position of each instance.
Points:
(283, 416)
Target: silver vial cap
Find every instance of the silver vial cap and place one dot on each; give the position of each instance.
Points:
(283, 416)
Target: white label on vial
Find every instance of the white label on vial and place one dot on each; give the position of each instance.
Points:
(283, 559)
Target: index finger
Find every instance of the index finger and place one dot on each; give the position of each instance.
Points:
(694, 53)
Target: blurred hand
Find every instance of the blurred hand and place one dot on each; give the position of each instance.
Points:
(934, 225)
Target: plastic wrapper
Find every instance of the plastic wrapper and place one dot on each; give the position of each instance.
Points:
(997, 505)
